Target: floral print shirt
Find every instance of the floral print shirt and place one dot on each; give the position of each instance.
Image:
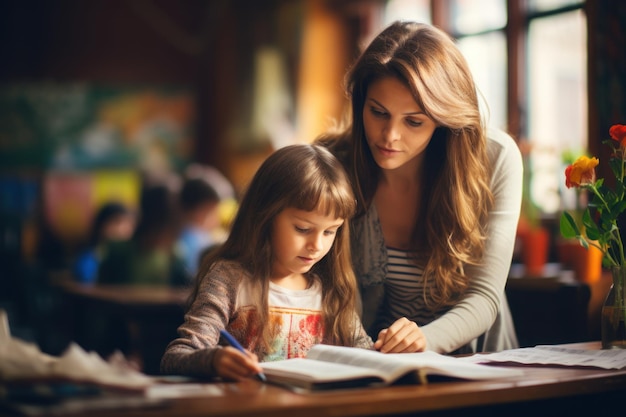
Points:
(224, 302)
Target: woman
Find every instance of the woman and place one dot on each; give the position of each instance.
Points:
(439, 199)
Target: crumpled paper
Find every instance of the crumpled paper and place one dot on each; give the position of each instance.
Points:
(21, 360)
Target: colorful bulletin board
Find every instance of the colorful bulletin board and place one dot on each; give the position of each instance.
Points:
(80, 126)
(72, 199)
(88, 143)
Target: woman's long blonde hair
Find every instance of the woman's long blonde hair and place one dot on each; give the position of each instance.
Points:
(456, 198)
(305, 177)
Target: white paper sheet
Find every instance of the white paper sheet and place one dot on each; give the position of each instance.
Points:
(556, 355)
(23, 360)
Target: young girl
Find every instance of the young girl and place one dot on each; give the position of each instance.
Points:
(271, 284)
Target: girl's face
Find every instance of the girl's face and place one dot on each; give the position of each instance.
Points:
(396, 128)
(300, 239)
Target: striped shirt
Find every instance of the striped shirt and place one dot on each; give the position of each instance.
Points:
(404, 290)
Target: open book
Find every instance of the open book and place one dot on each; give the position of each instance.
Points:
(328, 367)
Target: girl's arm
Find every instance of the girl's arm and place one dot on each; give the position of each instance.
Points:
(361, 338)
(194, 352)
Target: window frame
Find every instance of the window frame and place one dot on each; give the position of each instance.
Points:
(519, 18)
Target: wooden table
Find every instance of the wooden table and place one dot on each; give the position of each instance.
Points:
(150, 314)
(541, 391)
(129, 297)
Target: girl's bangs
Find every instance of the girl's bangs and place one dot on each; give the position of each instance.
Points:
(332, 201)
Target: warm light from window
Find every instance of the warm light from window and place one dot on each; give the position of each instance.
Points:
(486, 56)
(557, 102)
(473, 16)
(417, 10)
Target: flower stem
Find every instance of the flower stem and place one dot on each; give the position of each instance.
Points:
(615, 235)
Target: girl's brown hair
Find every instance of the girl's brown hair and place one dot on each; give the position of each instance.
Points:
(305, 177)
(456, 195)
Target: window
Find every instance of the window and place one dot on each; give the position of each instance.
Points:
(529, 64)
(486, 55)
(557, 103)
(417, 10)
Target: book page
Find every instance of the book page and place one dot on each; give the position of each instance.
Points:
(395, 365)
(317, 371)
(386, 364)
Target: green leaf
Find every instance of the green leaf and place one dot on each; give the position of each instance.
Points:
(593, 234)
(568, 226)
(592, 230)
(616, 167)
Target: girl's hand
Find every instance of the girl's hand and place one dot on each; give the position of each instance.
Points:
(403, 336)
(231, 364)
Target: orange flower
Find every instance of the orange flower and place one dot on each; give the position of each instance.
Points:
(581, 172)
(618, 133)
(599, 220)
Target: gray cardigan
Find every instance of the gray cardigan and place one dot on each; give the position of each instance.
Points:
(481, 320)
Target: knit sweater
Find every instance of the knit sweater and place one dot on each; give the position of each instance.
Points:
(224, 301)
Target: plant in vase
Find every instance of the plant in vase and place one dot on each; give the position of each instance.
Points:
(586, 262)
(598, 227)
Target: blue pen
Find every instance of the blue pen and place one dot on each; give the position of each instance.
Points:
(234, 343)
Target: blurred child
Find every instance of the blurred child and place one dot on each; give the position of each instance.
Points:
(149, 258)
(228, 204)
(112, 222)
(282, 281)
(199, 203)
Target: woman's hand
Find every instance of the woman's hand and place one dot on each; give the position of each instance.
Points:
(231, 364)
(403, 336)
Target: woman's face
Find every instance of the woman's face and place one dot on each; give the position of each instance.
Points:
(396, 128)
